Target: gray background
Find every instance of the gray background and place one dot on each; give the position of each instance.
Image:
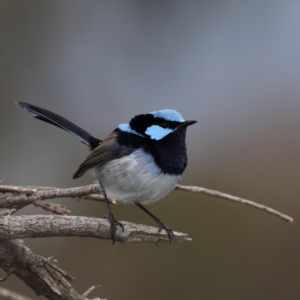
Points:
(233, 66)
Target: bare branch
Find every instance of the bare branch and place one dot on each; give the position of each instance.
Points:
(42, 274)
(39, 273)
(196, 189)
(2, 180)
(23, 196)
(91, 289)
(9, 295)
(15, 227)
(55, 208)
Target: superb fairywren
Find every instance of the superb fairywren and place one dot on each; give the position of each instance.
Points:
(139, 162)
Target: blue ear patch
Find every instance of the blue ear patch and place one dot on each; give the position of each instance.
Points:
(157, 133)
(168, 115)
(127, 128)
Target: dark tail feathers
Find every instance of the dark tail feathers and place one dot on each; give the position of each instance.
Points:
(54, 119)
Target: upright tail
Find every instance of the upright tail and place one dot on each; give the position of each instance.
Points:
(54, 119)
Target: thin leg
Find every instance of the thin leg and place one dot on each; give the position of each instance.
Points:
(161, 225)
(112, 221)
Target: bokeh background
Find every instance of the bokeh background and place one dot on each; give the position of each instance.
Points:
(232, 65)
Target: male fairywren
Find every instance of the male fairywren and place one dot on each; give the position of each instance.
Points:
(140, 162)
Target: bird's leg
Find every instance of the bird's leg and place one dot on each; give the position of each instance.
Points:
(161, 225)
(112, 221)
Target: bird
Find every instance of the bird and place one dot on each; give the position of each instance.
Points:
(139, 162)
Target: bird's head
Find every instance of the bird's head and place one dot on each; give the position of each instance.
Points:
(156, 125)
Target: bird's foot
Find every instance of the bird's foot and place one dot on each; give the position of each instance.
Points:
(169, 231)
(113, 226)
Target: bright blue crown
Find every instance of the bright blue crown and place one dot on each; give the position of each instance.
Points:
(168, 115)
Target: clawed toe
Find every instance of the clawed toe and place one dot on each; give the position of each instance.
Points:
(113, 226)
(167, 229)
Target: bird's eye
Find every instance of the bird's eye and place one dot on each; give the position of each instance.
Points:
(164, 124)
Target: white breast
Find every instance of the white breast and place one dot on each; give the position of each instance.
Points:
(135, 178)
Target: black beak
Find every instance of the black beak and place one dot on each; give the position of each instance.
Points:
(187, 123)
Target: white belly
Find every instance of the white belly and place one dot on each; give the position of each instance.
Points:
(135, 178)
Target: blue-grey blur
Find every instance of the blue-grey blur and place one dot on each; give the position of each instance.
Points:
(232, 65)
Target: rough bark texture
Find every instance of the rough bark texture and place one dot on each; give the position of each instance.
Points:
(15, 227)
(39, 273)
(22, 196)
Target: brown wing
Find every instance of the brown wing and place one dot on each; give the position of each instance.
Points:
(108, 150)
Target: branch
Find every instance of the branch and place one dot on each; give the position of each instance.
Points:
(16, 227)
(22, 196)
(9, 295)
(196, 189)
(39, 273)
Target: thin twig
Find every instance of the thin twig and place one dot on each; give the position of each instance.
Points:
(23, 196)
(9, 295)
(196, 189)
(53, 207)
(91, 289)
(2, 180)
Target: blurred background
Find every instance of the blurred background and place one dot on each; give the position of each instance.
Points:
(232, 65)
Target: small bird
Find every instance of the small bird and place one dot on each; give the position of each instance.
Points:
(139, 162)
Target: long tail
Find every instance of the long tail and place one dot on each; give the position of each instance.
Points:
(54, 119)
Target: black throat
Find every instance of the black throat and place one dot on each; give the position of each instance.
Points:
(169, 153)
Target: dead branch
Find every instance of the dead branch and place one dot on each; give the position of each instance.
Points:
(9, 295)
(39, 273)
(22, 196)
(196, 189)
(15, 227)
